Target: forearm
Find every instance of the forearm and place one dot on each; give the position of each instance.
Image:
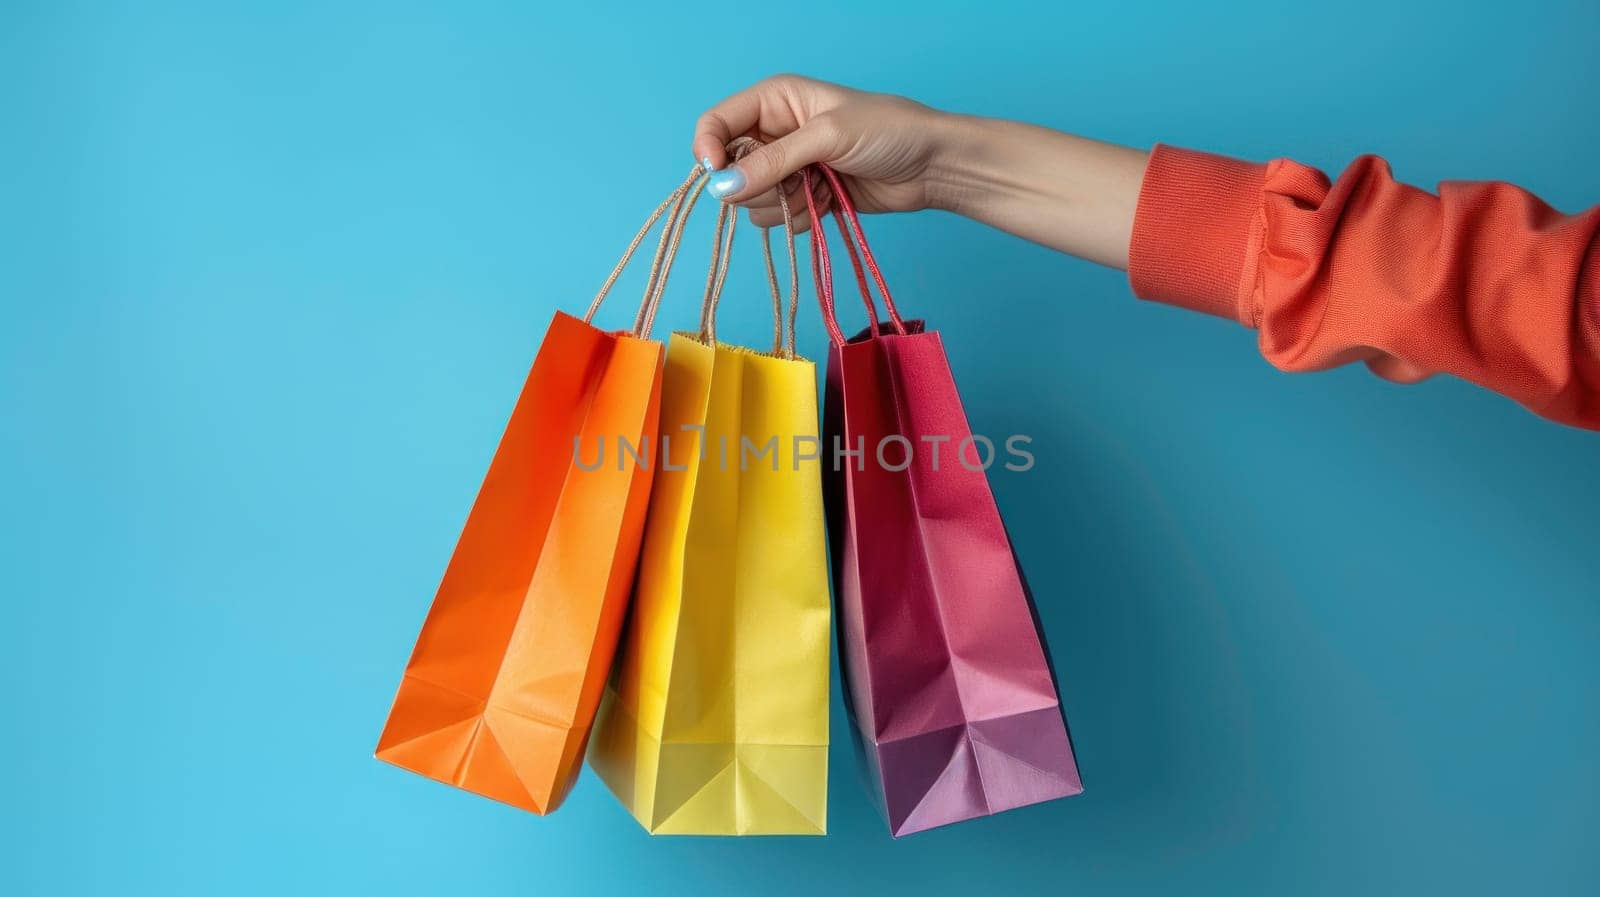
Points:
(1482, 281)
(1068, 193)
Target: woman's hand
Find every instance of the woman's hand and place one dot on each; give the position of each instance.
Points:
(887, 147)
(1066, 192)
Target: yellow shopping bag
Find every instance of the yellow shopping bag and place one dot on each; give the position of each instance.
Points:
(716, 719)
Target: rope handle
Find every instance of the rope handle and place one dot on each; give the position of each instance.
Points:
(783, 338)
(863, 261)
(779, 347)
(676, 207)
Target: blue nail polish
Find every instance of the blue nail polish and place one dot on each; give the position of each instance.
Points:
(725, 183)
(705, 162)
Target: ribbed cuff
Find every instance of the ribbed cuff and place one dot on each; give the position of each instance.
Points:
(1192, 231)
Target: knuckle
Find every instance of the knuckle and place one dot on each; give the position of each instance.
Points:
(828, 127)
(770, 159)
(786, 81)
(710, 122)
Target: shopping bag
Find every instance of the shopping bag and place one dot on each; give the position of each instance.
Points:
(507, 673)
(947, 678)
(716, 722)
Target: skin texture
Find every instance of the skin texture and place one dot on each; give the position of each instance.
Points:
(1069, 193)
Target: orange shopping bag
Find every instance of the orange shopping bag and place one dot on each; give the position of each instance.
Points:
(512, 659)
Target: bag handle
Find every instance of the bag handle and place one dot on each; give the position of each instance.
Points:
(863, 262)
(721, 252)
(779, 346)
(783, 338)
(676, 207)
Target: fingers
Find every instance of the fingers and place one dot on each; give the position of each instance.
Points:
(792, 190)
(767, 109)
(728, 119)
(818, 140)
(772, 111)
(773, 217)
(765, 211)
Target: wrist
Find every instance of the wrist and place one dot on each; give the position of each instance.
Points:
(961, 162)
(1066, 192)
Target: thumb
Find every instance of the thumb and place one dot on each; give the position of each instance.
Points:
(818, 140)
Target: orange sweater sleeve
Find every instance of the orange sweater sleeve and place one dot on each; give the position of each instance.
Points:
(1483, 280)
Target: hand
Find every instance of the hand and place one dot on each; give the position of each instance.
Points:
(1069, 193)
(886, 147)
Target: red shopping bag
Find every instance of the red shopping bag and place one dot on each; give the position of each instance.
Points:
(947, 677)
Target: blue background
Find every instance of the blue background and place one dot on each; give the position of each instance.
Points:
(270, 277)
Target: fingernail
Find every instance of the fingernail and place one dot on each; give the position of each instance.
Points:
(705, 162)
(725, 183)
